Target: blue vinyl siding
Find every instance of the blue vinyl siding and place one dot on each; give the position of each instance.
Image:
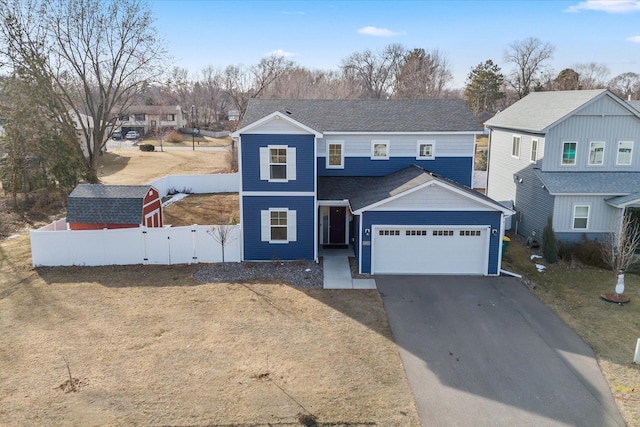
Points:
(257, 250)
(433, 218)
(459, 169)
(305, 157)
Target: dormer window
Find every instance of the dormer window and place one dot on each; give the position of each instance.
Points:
(426, 150)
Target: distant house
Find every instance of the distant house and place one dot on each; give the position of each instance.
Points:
(97, 206)
(389, 178)
(234, 115)
(569, 155)
(151, 118)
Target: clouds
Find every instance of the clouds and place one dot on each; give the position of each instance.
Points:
(634, 39)
(280, 52)
(379, 32)
(608, 6)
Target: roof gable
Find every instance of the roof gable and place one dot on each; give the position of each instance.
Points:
(276, 123)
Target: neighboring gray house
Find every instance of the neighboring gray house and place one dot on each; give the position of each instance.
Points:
(571, 155)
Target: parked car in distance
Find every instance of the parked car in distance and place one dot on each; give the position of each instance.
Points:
(132, 134)
(116, 135)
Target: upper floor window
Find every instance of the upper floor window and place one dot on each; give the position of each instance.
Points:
(580, 217)
(379, 150)
(335, 155)
(534, 150)
(625, 150)
(426, 150)
(569, 153)
(515, 147)
(596, 153)
(138, 117)
(277, 163)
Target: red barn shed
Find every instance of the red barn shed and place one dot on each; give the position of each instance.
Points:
(98, 206)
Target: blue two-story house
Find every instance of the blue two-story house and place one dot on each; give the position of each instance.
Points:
(390, 178)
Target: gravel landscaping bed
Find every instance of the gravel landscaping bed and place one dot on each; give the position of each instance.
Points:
(305, 274)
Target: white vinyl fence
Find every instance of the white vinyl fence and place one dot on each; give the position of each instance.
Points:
(167, 245)
(54, 245)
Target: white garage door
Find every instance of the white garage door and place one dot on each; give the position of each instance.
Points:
(430, 250)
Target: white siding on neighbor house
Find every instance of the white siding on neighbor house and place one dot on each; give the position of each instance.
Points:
(616, 125)
(503, 166)
(433, 198)
(602, 217)
(277, 126)
(357, 145)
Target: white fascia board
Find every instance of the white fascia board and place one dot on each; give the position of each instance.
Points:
(424, 132)
(279, 193)
(276, 115)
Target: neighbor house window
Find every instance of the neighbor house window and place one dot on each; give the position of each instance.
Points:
(515, 147)
(625, 149)
(534, 150)
(426, 150)
(138, 117)
(596, 152)
(335, 155)
(277, 163)
(580, 217)
(569, 153)
(278, 225)
(167, 117)
(379, 150)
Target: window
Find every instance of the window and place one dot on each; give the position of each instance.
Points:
(277, 163)
(389, 232)
(625, 149)
(580, 217)
(472, 233)
(426, 150)
(416, 232)
(379, 150)
(569, 153)
(278, 225)
(596, 152)
(534, 150)
(167, 117)
(138, 117)
(335, 155)
(515, 147)
(442, 232)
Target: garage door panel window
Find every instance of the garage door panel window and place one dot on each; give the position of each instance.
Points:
(389, 232)
(415, 232)
(443, 232)
(470, 233)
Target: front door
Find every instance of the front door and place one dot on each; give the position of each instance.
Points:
(337, 228)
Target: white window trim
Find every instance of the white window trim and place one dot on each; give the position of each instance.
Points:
(265, 163)
(426, 142)
(374, 142)
(573, 217)
(265, 225)
(604, 146)
(630, 154)
(575, 157)
(513, 140)
(533, 159)
(341, 165)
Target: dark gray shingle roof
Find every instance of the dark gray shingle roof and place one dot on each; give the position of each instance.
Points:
(363, 191)
(369, 115)
(106, 204)
(611, 183)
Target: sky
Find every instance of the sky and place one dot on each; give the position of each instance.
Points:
(319, 34)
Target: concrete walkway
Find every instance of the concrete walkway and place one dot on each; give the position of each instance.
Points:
(337, 273)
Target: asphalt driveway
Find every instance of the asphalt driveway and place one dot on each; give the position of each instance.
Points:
(485, 351)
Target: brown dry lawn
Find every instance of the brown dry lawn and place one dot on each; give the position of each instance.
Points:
(573, 292)
(147, 345)
(204, 209)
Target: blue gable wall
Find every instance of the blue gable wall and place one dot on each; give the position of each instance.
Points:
(459, 169)
(255, 249)
(304, 145)
(433, 218)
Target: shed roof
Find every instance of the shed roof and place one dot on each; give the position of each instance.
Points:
(364, 191)
(369, 115)
(603, 183)
(539, 111)
(107, 204)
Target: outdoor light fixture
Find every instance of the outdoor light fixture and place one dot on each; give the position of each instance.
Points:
(367, 232)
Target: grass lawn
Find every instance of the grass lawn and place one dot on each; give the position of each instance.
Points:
(573, 292)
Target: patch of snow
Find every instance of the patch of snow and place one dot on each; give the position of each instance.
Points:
(174, 199)
(535, 257)
(540, 268)
(13, 236)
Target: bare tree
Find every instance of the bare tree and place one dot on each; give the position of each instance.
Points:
(90, 58)
(626, 85)
(528, 56)
(423, 75)
(618, 251)
(592, 75)
(374, 73)
(224, 232)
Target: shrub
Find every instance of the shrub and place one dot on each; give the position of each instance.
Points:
(549, 242)
(173, 136)
(147, 147)
(587, 252)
